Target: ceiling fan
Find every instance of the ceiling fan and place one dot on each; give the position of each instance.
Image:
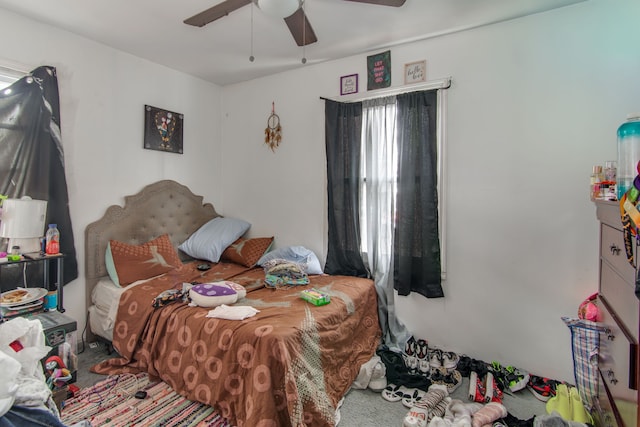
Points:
(291, 10)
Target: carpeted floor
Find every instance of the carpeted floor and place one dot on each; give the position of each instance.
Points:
(361, 408)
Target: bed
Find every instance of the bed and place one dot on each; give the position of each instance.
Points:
(288, 365)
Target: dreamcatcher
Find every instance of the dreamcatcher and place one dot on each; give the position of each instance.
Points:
(273, 131)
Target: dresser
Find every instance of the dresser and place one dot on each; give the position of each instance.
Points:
(618, 359)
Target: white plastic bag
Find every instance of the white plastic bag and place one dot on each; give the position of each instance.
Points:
(23, 340)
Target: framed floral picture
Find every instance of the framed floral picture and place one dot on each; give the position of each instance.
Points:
(162, 130)
(349, 84)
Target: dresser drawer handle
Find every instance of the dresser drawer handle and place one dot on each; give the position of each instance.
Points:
(609, 333)
(614, 250)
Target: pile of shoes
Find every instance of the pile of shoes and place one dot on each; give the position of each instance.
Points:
(434, 364)
(423, 378)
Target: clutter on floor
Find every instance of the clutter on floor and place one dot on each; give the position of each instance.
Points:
(423, 379)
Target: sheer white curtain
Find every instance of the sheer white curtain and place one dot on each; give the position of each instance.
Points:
(377, 208)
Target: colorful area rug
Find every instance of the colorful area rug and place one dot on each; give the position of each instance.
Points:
(112, 402)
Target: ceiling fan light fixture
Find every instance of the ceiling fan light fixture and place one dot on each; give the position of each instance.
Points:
(279, 8)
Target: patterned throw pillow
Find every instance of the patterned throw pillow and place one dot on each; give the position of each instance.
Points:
(247, 252)
(144, 261)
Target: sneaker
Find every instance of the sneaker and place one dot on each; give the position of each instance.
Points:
(516, 379)
(422, 349)
(435, 358)
(424, 368)
(542, 388)
(378, 381)
(492, 391)
(450, 379)
(449, 360)
(410, 355)
(410, 347)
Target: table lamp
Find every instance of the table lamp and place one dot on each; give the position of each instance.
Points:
(22, 222)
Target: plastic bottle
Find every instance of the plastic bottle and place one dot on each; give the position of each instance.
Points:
(628, 153)
(609, 183)
(52, 246)
(596, 181)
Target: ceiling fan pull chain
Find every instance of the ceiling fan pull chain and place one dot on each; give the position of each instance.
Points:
(251, 57)
(304, 36)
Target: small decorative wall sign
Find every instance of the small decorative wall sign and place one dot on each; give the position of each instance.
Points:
(415, 72)
(349, 84)
(273, 131)
(162, 130)
(379, 70)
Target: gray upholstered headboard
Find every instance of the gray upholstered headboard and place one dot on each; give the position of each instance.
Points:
(159, 208)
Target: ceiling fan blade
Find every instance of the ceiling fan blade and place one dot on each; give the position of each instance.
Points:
(393, 3)
(299, 24)
(216, 12)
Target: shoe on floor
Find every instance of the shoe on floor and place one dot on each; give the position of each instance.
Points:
(394, 393)
(415, 397)
(422, 348)
(542, 388)
(516, 379)
(450, 379)
(378, 381)
(435, 358)
(561, 403)
(578, 411)
(450, 360)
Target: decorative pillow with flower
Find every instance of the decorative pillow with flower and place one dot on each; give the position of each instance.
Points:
(127, 263)
(247, 252)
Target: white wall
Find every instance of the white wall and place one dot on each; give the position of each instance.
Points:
(102, 96)
(534, 104)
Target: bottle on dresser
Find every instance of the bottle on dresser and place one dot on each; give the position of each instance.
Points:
(596, 182)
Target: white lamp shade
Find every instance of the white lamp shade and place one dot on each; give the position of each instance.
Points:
(279, 8)
(23, 218)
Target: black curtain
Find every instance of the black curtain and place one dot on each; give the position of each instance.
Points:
(31, 156)
(343, 130)
(417, 242)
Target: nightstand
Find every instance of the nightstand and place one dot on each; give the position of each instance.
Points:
(46, 263)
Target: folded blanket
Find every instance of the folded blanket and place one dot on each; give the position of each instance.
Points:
(239, 312)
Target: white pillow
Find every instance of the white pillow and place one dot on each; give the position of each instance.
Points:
(298, 254)
(210, 240)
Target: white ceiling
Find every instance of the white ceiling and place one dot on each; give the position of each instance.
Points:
(219, 52)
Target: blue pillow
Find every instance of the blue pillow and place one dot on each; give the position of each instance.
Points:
(298, 254)
(210, 240)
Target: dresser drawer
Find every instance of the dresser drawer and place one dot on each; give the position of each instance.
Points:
(612, 250)
(621, 298)
(617, 357)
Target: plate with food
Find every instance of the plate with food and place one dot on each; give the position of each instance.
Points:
(21, 296)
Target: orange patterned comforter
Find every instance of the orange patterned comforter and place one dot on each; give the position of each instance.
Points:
(287, 366)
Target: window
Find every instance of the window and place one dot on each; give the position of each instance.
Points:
(379, 149)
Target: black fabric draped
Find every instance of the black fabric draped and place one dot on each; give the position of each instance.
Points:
(343, 130)
(416, 242)
(31, 156)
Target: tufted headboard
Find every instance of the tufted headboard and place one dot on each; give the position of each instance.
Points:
(159, 208)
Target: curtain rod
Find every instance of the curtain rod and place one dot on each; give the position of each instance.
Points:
(432, 84)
